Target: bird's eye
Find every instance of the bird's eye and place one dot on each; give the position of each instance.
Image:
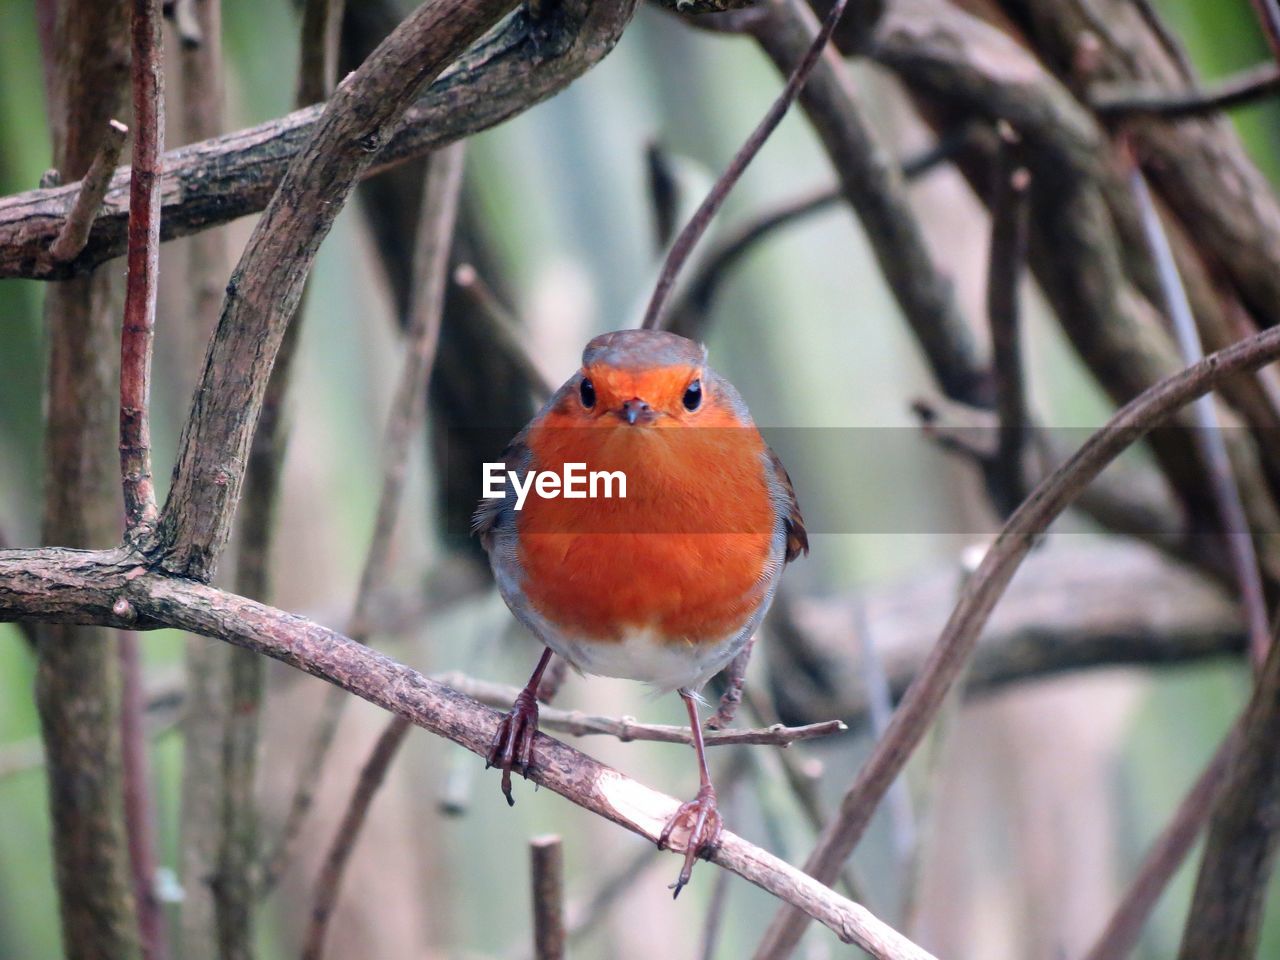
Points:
(587, 390)
(693, 395)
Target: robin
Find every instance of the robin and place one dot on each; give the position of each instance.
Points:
(665, 584)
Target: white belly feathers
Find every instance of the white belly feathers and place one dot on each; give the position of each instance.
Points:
(642, 655)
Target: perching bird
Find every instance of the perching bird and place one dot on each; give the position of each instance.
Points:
(665, 585)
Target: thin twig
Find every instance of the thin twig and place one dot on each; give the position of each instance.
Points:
(1231, 512)
(76, 682)
(457, 783)
(730, 780)
(318, 67)
(1269, 15)
(1225, 916)
(716, 912)
(1165, 856)
(689, 310)
(329, 883)
(946, 661)
(1168, 40)
(504, 327)
(139, 814)
(238, 887)
(692, 231)
(609, 891)
(310, 770)
(1006, 263)
(627, 729)
(1113, 100)
(138, 330)
(876, 193)
(93, 189)
(207, 705)
(546, 862)
(932, 775)
(164, 710)
(664, 194)
(880, 700)
(803, 775)
(431, 257)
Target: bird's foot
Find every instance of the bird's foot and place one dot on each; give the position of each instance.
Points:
(512, 747)
(701, 818)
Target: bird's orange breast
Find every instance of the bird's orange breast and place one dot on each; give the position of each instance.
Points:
(686, 554)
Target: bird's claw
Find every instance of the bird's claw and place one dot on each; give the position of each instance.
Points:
(512, 746)
(701, 817)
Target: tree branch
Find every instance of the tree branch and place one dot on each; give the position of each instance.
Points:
(205, 715)
(1231, 512)
(138, 331)
(873, 188)
(1006, 260)
(321, 32)
(1165, 856)
(430, 275)
(330, 882)
(138, 806)
(983, 590)
(1200, 166)
(234, 175)
(692, 231)
(77, 670)
(266, 285)
(239, 885)
(1225, 917)
(1081, 243)
(93, 188)
(113, 588)
(688, 315)
(1125, 100)
(506, 333)
(1269, 15)
(627, 729)
(546, 868)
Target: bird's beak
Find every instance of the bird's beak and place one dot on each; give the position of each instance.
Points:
(636, 411)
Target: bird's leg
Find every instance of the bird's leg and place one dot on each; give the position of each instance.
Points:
(700, 815)
(513, 742)
(553, 681)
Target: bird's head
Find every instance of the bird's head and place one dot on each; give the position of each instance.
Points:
(647, 378)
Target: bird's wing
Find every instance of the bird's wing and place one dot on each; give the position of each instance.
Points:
(493, 513)
(797, 536)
